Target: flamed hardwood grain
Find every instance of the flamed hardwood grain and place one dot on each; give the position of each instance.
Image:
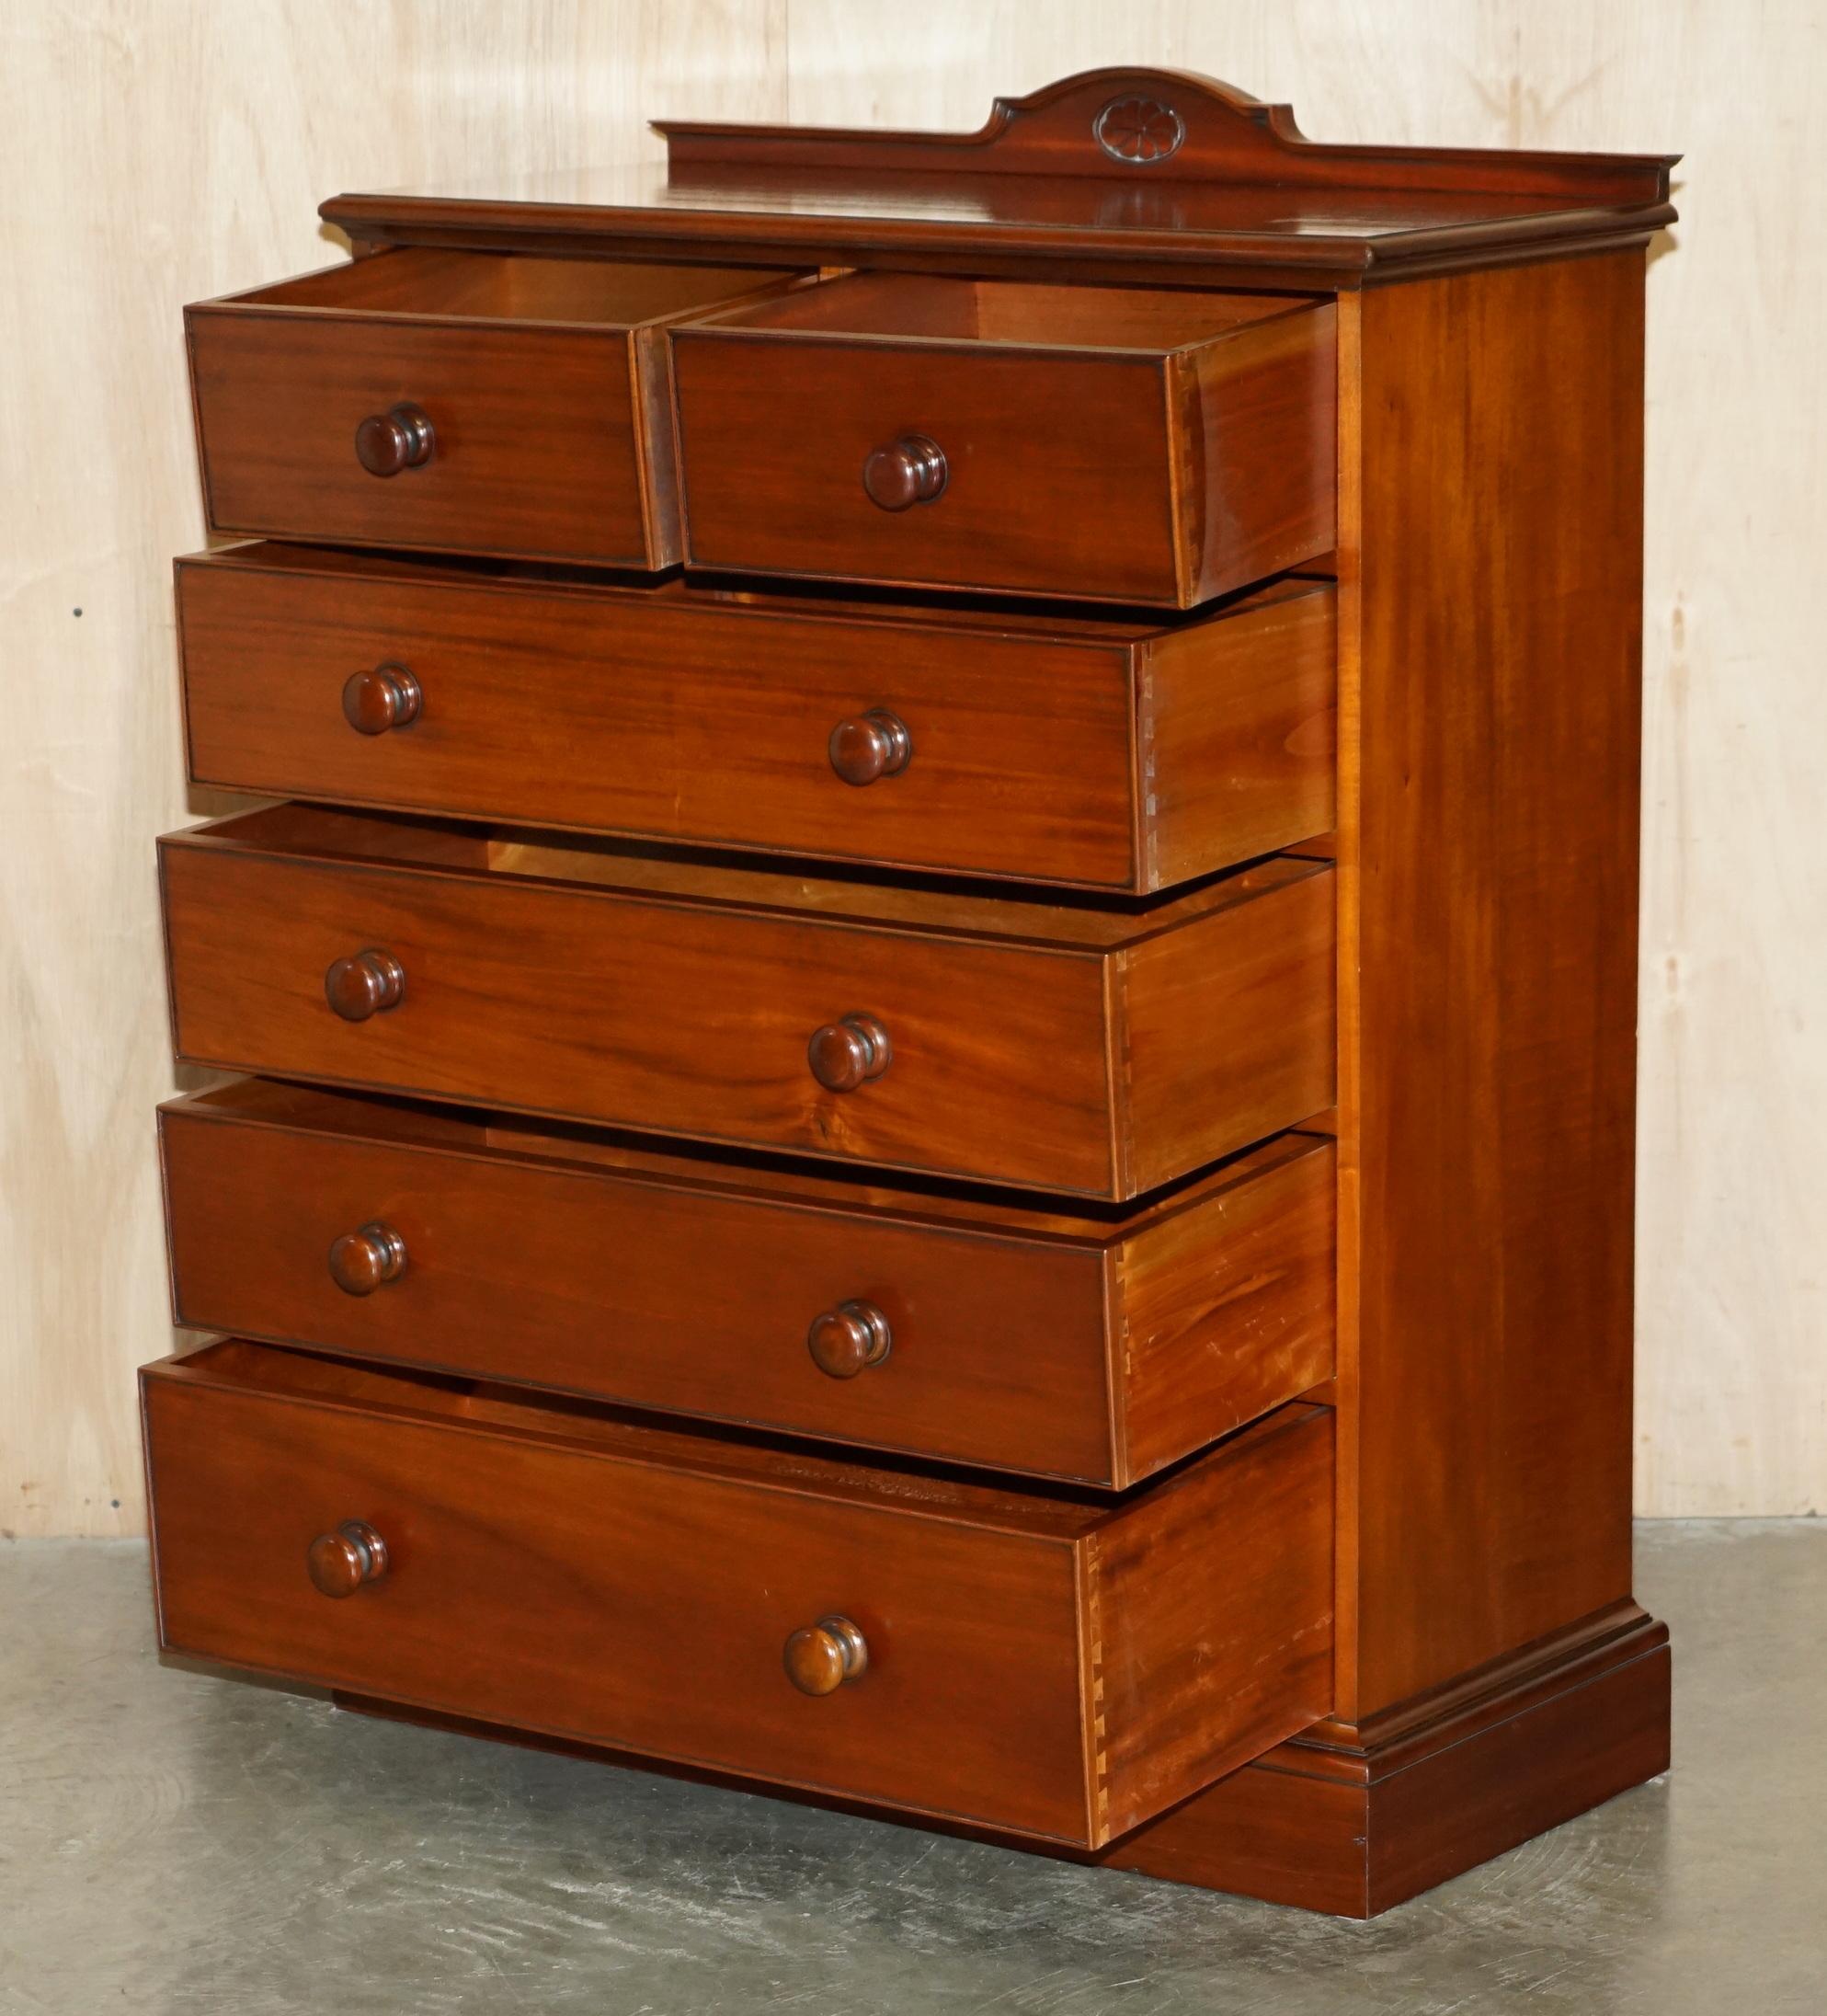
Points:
(1158, 449)
(539, 379)
(1496, 962)
(682, 996)
(1129, 755)
(1205, 1324)
(1183, 1053)
(646, 1583)
(1089, 1348)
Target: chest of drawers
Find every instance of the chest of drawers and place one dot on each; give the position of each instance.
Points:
(940, 1038)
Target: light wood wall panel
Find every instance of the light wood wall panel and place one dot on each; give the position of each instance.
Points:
(159, 151)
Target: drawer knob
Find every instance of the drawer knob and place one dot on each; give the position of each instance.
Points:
(362, 1261)
(848, 1339)
(844, 1055)
(904, 472)
(867, 745)
(341, 1561)
(364, 983)
(387, 697)
(821, 1657)
(399, 439)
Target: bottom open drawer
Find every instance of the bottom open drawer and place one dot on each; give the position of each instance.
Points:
(1050, 1663)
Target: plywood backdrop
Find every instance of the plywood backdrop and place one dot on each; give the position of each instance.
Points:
(153, 152)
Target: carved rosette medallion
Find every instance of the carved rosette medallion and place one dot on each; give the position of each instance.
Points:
(1138, 130)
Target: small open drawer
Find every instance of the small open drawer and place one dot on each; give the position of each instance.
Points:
(474, 401)
(1125, 443)
(1045, 1663)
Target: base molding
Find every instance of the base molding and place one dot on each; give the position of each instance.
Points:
(1350, 1820)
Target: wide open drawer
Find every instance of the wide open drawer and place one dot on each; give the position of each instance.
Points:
(1099, 1347)
(1056, 1046)
(1032, 1662)
(1128, 754)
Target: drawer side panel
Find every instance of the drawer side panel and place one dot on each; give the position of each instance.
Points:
(1230, 1029)
(1227, 1310)
(1214, 1595)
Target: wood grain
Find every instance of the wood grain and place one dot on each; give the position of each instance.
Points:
(1197, 456)
(1122, 754)
(1353, 1821)
(1026, 1340)
(1353, 1827)
(1034, 1044)
(1496, 959)
(1133, 172)
(647, 1582)
(536, 397)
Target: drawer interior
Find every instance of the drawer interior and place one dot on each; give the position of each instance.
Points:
(733, 1172)
(912, 902)
(938, 309)
(514, 287)
(1043, 1508)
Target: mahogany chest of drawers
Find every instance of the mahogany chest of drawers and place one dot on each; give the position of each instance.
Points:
(939, 1028)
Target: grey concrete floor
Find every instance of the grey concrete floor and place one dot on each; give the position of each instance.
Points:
(176, 1843)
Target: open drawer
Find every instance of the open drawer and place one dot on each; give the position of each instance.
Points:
(1040, 1662)
(1130, 444)
(1091, 1345)
(1054, 1046)
(1135, 753)
(474, 401)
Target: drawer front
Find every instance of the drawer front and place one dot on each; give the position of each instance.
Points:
(534, 1583)
(1057, 469)
(1035, 1665)
(992, 1348)
(534, 449)
(1077, 1346)
(683, 720)
(685, 1020)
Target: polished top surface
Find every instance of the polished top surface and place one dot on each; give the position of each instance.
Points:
(1152, 166)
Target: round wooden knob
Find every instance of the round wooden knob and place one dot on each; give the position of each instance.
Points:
(848, 1339)
(868, 746)
(399, 439)
(821, 1657)
(844, 1055)
(387, 697)
(339, 1563)
(904, 472)
(364, 983)
(362, 1261)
